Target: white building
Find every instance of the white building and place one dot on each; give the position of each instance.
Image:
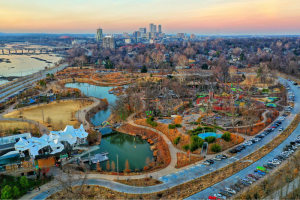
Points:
(76, 42)
(53, 143)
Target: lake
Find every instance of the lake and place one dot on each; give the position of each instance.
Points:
(132, 148)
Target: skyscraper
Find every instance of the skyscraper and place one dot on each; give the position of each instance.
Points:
(142, 30)
(148, 35)
(108, 42)
(99, 34)
(136, 34)
(154, 29)
(159, 29)
(151, 27)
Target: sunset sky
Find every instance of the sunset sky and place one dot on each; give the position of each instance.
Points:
(203, 17)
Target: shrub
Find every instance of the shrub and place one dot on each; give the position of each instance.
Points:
(196, 143)
(218, 127)
(216, 148)
(151, 122)
(176, 140)
(194, 123)
(226, 136)
(186, 147)
(171, 126)
(178, 125)
(210, 139)
(146, 168)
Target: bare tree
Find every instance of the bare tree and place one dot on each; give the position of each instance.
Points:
(71, 183)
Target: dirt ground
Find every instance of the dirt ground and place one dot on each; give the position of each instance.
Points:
(61, 114)
(251, 79)
(23, 127)
(183, 160)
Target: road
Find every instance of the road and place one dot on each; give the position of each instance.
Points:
(18, 85)
(198, 170)
(241, 174)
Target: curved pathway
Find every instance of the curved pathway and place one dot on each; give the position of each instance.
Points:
(187, 174)
(80, 114)
(42, 127)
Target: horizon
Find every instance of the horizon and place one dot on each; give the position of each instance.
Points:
(208, 18)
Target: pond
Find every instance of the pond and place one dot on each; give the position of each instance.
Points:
(132, 148)
(204, 135)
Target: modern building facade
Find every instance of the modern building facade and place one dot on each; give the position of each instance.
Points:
(148, 35)
(181, 35)
(108, 42)
(159, 29)
(151, 27)
(192, 36)
(142, 30)
(154, 29)
(99, 34)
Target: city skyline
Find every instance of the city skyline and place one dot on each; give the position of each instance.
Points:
(249, 17)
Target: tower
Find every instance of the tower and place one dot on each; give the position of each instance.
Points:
(154, 29)
(159, 29)
(99, 34)
(151, 27)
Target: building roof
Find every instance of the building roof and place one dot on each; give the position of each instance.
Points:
(54, 139)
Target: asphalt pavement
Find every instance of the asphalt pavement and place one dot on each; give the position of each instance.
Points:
(199, 170)
(15, 88)
(243, 173)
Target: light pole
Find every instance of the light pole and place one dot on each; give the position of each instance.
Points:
(118, 165)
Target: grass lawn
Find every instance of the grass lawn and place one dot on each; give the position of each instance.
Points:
(58, 112)
(13, 127)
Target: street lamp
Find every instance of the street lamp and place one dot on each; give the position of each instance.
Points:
(118, 165)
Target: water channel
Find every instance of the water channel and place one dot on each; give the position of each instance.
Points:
(132, 148)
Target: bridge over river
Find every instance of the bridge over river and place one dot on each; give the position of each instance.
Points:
(25, 50)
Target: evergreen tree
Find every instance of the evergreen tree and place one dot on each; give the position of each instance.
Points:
(144, 69)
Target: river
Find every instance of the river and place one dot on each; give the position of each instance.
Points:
(23, 64)
(132, 148)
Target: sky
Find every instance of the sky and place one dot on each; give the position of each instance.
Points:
(201, 17)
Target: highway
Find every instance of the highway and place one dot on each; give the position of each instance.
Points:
(185, 175)
(18, 85)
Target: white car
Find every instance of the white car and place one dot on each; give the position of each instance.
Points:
(217, 158)
(219, 196)
(274, 162)
(206, 163)
(281, 118)
(230, 190)
(248, 143)
(281, 128)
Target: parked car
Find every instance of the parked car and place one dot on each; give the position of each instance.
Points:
(217, 158)
(233, 151)
(230, 190)
(218, 196)
(235, 187)
(206, 162)
(281, 128)
(210, 161)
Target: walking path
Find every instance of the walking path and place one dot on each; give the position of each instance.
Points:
(170, 176)
(80, 114)
(42, 127)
